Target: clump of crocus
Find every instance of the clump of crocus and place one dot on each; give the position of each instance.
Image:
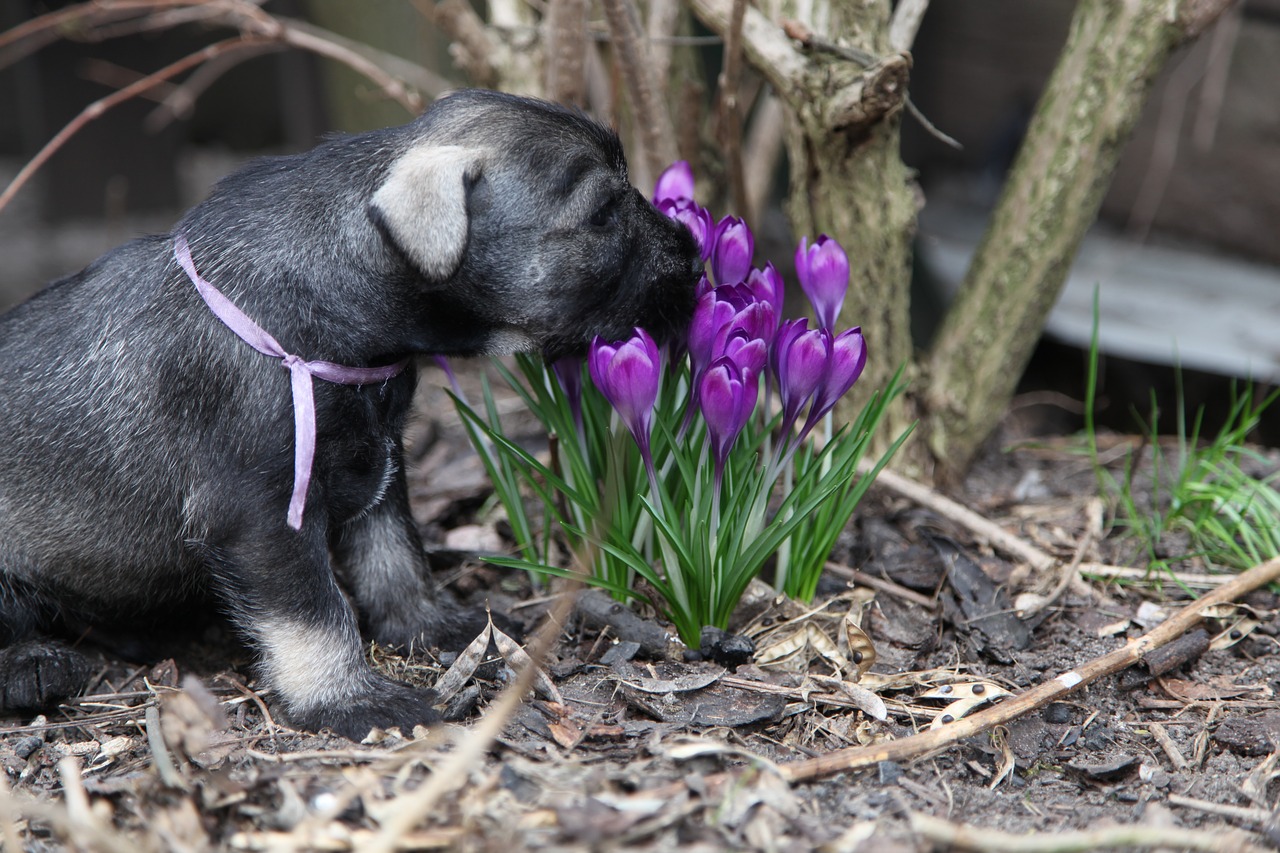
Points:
(707, 512)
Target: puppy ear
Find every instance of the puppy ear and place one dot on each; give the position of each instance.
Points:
(422, 206)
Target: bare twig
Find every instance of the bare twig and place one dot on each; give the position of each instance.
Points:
(906, 23)
(566, 40)
(930, 128)
(178, 101)
(664, 15)
(883, 585)
(160, 755)
(1161, 734)
(1133, 837)
(100, 106)
(656, 129)
(323, 46)
(1093, 525)
(467, 30)
(986, 530)
(1242, 813)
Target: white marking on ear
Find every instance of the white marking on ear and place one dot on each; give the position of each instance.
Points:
(423, 205)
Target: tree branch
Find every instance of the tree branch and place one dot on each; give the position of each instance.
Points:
(656, 129)
(1052, 196)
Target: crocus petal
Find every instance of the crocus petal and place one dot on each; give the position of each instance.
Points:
(782, 340)
(676, 182)
(808, 363)
(848, 358)
(627, 375)
(598, 357)
(745, 351)
(734, 247)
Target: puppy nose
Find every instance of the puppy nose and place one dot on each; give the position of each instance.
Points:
(696, 267)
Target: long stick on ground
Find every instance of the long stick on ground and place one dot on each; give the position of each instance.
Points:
(934, 740)
(1127, 655)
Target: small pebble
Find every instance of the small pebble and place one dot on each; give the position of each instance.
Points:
(23, 747)
(1058, 713)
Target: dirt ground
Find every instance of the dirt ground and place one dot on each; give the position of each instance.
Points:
(617, 750)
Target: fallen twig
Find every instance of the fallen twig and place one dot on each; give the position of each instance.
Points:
(986, 530)
(1242, 813)
(966, 837)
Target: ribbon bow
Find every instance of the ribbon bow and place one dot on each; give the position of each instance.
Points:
(301, 372)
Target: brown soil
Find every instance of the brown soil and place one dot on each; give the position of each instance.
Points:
(619, 752)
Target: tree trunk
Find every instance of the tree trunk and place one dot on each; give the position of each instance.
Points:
(847, 178)
(1052, 196)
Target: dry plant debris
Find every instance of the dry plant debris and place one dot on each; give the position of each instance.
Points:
(862, 718)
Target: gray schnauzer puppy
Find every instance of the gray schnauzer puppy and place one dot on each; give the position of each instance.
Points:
(154, 460)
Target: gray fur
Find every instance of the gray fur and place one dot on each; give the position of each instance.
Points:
(147, 453)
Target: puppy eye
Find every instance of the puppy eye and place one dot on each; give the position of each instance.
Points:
(603, 215)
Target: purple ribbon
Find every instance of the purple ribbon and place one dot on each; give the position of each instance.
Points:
(300, 374)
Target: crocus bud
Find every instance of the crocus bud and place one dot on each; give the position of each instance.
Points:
(697, 219)
(627, 374)
(674, 183)
(727, 396)
(823, 270)
(732, 252)
(568, 372)
(767, 286)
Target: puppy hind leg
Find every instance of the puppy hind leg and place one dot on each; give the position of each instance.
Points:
(283, 596)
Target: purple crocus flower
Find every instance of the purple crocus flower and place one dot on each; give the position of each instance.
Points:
(848, 358)
(714, 310)
(731, 254)
(755, 318)
(697, 219)
(727, 396)
(627, 373)
(675, 183)
(823, 270)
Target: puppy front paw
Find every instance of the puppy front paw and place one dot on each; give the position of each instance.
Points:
(39, 674)
(389, 704)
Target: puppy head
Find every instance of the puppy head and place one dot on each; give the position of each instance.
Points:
(519, 217)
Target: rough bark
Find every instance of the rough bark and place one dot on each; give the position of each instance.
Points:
(1094, 98)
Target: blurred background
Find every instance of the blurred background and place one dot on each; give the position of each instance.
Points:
(1187, 250)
